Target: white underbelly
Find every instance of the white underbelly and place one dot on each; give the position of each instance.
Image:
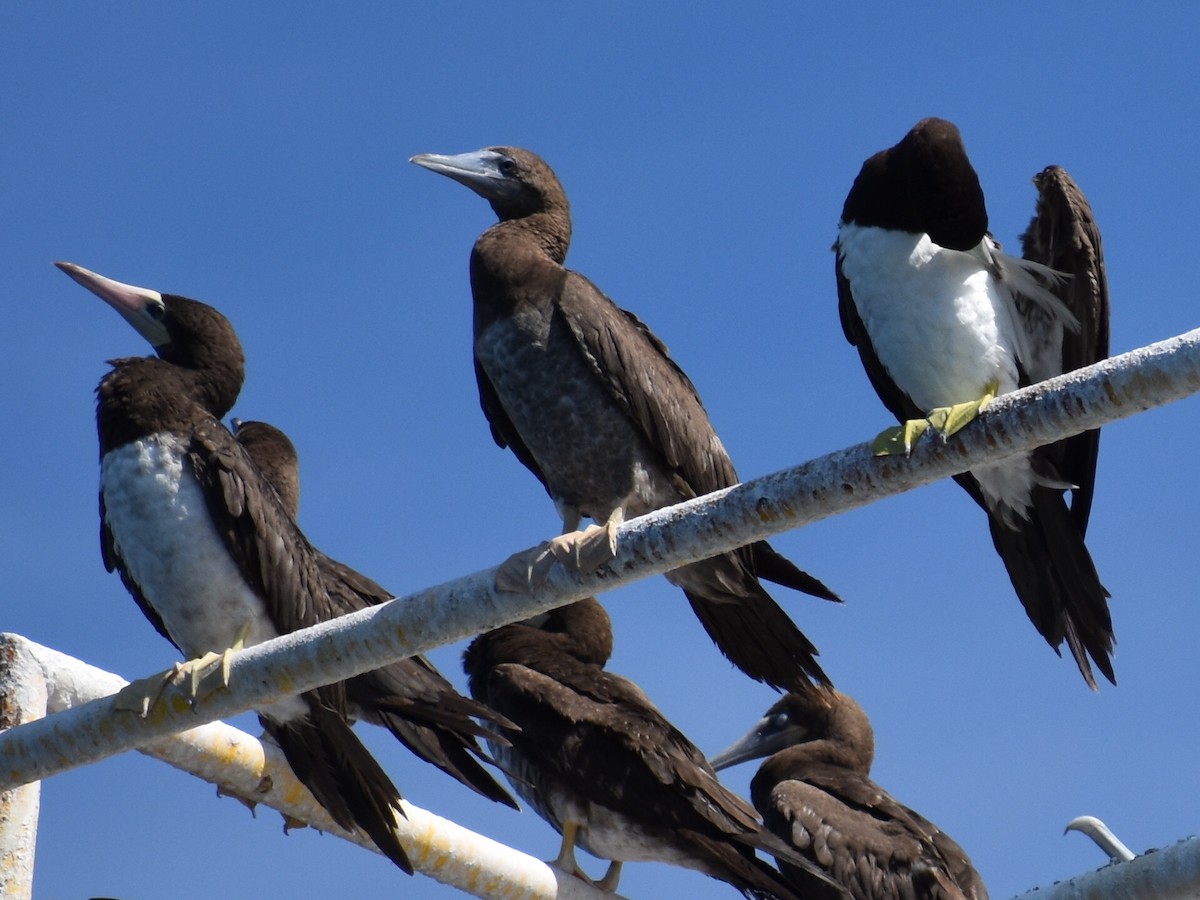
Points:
(942, 329)
(156, 511)
(937, 321)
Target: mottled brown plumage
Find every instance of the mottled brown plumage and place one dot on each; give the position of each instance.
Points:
(815, 792)
(410, 698)
(595, 754)
(591, 402)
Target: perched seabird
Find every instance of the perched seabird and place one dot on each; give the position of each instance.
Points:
(590, 401)
(601, 764)
(816, 793)
(204, 544)
(410, 698)
(944, 319)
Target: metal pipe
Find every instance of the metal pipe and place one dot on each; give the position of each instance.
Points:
(22, 699)
(1172, 873)
(242, 766)
(1085, 399)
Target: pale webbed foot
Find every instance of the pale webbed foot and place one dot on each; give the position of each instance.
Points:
(206, 675)
(608, 883)
(947, 420)
(143, 695)
(209, 673)
(566, 862)
(581, 551)
(566, 851)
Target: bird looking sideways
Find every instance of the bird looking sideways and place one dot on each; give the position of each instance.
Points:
(815, 792)
(944, 320)
(410, 698)
(590, 401)
(204, 544)
(600, 763)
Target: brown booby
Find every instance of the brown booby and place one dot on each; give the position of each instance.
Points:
(591, 402)
(600, 763)
(204, 544)
(410, 698)
(944, 319)
(815, 792)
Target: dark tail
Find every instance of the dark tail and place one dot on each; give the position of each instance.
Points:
(748, 626)
(738, 866)
(776, 568)
(1055, 578)
(423, 711)
(328, 758)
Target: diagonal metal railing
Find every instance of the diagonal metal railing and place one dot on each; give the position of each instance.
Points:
(1088, 398)
(256, 772)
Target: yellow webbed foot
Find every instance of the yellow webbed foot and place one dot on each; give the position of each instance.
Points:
(899, 439)
(946, 420)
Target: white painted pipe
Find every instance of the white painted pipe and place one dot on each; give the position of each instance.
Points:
(242, 766)
(22, 699)
(1085, 399)
(1172, 873)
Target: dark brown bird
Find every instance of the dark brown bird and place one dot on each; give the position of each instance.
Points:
(601, 764)
(590, 401)
(815, 792)
(410, 698)
(942, 317)
(205, 545)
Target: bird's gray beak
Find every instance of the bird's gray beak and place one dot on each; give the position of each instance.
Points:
(478, 170)
(140, 307)
(764, 739)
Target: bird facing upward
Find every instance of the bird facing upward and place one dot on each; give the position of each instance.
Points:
(204, 543)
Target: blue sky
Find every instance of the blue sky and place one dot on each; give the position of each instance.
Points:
(256, 158)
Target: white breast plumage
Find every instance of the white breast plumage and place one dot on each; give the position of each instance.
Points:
(156, 511)
(944, 328)
(939, 324)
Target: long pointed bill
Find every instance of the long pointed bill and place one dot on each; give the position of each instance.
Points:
(768, 736)
(140, 307)
(478, 170)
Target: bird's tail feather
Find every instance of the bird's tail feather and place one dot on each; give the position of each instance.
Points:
(329, 759)
(748, 625)
(770, 564)
(448, 749)
(1057, 582)
(754, 877)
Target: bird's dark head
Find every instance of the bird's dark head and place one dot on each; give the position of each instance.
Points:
(802, 718)
(276, 457)
(516, 182)
(926, 184)
(184, 332)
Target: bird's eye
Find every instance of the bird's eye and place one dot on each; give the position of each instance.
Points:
(156, 311)
(507, 167)
(779, 720)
